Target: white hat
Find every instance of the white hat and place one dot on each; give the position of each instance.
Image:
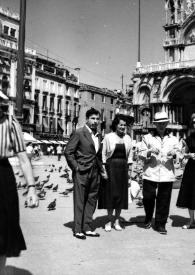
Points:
(160, 117)
(3, 96)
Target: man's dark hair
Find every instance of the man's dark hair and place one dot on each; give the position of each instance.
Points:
(116, 121)
(91, 112)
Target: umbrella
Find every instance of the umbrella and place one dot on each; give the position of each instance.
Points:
(28, 137)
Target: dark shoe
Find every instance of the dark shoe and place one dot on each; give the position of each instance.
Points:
(161, 229)
(147, 225)
(91, 234)
(80, 236)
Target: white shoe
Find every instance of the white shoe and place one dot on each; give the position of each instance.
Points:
(117, 227)
(108, 227)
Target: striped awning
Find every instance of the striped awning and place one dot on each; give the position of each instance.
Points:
(46, 141)
(62, 142)
(54, 141)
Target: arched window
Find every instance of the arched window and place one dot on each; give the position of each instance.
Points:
(144, 95)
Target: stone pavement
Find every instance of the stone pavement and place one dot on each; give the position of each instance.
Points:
(52, 250)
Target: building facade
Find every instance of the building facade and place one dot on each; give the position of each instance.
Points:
(9, 32)
(56, 100)
(169, 86)
(101, 99)
(51, 93)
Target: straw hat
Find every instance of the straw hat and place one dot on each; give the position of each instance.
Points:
(160, 117)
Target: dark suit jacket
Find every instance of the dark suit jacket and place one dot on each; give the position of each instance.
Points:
(80, 151)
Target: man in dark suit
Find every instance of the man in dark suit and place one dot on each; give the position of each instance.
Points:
(84, 158)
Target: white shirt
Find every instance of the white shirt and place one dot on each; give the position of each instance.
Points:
(109, 144)
(159, 168)
(94, 137)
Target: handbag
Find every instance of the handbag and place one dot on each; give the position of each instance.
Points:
(133, 190)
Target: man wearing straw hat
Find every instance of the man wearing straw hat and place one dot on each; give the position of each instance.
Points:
(158, 152)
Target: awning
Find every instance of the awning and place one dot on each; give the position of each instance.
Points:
(54, 141)
(46, 141)
(62, 142)
(28, 137)
(38, 141)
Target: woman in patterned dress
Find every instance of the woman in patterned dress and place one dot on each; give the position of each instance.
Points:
(11, 143)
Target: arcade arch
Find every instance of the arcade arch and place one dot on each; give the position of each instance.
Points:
(182, 102)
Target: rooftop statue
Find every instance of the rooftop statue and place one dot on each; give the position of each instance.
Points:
(190, 6)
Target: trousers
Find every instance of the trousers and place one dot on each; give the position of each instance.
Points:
(86, 187)
(157, 194)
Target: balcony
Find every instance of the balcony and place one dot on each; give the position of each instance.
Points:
(59, 112)
(28, 101)
(68, 95)
(52, 111)
(45, 110)
(164, 67)
(171, 42)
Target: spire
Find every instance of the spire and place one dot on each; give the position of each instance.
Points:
(139, 35)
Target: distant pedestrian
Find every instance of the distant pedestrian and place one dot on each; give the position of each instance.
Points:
(186, 197)
(29, 150)
(11, 142)
(59, 151)
(48, 150)
(158, 152)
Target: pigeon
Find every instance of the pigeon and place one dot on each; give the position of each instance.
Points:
(38, 184)
(21, 175)
(65, 193)
(49, 186)
(24, 185)
(45, 181)
(69, 189)
(25, 204)
(53, 165)
(40, 187)
(64, 175)
(45, 170)
(17, 173)
(36, 178)
(69, 180)
(52, 205)
(41, 194)
(55, 188)
(48, 176)
(51, 170)
(25, 193)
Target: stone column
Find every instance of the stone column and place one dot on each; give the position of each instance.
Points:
(12, 90)
(32, 94)
(13, 69)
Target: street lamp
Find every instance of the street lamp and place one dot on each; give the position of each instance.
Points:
(20, 63)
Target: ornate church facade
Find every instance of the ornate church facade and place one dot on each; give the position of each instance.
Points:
(169, 86)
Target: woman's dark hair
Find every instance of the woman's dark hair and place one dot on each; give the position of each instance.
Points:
(91, 112)
(191, 127)
(116, 121)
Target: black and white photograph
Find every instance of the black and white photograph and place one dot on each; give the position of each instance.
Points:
(97, 137)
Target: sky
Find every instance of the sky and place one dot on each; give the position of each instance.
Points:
(99, 36)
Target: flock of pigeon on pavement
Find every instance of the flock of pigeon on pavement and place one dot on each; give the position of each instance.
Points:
(42, 186)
